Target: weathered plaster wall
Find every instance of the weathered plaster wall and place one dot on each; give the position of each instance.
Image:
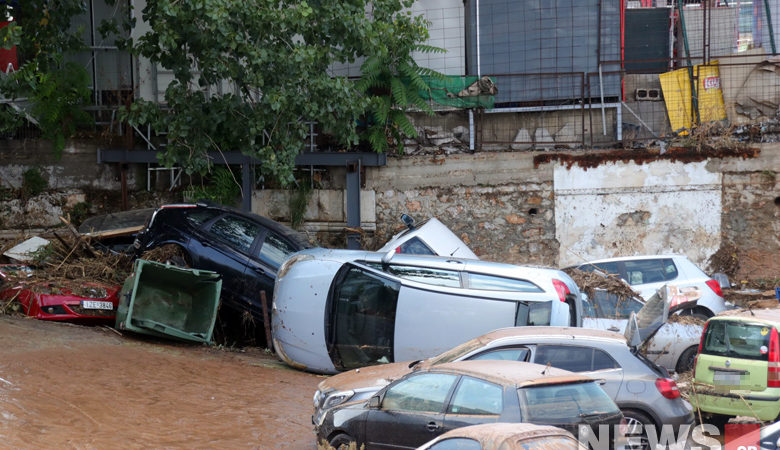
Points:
(625, 209)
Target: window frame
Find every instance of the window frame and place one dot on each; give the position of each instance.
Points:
(456, 389)
(593, 350)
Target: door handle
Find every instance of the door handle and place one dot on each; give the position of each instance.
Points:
(613, 328)
(432, 426)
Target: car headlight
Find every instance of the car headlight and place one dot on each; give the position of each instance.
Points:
(316, 398)
(337, 398)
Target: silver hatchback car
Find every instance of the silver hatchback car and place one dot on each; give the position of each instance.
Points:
(640, 388)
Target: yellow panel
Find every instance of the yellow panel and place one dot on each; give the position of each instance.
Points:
(676, 87)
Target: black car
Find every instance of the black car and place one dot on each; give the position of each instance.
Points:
(246, 249)
(429, 402)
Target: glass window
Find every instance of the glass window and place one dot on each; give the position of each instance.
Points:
(551, 442)
(564, 402)
(199, 216)
(363, 318)
(438, 277)
(737, 339)
(567, 357)
(476, 397)
(533, 314)
(457, 444)
(415, 246)
(275, 250)
(237, 232)
(506, 354)
(605, 305)
(494, 283)
(602, 361)
(644, 271)
(606, 267)
(425, 392)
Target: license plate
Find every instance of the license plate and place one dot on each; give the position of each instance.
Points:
(726, 379)
(93, 304)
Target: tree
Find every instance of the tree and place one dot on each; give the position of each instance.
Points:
(57, 90)
(275, 56)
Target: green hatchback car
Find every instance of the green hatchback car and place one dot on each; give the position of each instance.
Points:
(737, 369)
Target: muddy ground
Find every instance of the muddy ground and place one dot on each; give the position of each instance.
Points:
(71, 386)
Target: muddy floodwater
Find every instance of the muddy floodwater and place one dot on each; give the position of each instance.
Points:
(69, 386)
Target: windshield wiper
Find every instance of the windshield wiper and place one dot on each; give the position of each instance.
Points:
(593, 414)
(414, 363)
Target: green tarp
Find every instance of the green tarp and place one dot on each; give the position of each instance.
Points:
(461, 92)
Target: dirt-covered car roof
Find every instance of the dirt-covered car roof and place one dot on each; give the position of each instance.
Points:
(766, 314)
(548, 332)
(493, 435)
(515, 373)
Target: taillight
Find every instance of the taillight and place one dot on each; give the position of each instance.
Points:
(398, 249)
(667, 387)
(715, 286)
(773, 368)
(561, 289)
(701, 345)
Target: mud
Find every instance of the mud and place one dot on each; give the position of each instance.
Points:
(595, 158)
(65, 385)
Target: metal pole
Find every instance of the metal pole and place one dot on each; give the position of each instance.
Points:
(246, 185)
(603, 113)
(353, 204)
(479, 67)
(769, 25)
(694, 95)
(471, 130)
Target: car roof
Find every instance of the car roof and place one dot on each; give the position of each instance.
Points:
(629, 258)
(515, 373)
(543, 332)
(492, 433)
(766, 314)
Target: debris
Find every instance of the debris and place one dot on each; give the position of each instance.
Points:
(27, 250)
(589, 282)
(686, 320)
(724, 260)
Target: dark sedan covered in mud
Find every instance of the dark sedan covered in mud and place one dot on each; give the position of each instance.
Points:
(427, 403)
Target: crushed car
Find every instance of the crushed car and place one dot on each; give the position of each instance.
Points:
(430, 237)
(381, 308)
(505, 436)
(57, 299)
(424, 404)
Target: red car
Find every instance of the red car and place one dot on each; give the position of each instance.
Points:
(58, 300)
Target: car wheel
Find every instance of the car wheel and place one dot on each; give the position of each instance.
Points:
(718, 420)
(697, 313)
(341, 441)
(636, 422)
(685, 363)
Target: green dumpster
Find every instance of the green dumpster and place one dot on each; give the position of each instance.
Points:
(168, 301)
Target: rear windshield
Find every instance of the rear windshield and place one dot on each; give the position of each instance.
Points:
(564, 402)
(737, 339)
(605, 305)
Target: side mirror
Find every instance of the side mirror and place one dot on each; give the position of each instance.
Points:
(408, 221)
(374, 402)
(388, 256)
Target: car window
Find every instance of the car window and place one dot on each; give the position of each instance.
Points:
(533, 314)
(415, 246)
(605, 305)
(426, 392)
(438, 277)
(494, 283)
(458, 443)
(237, 232)
(199, 216)
(547, 442)
(644, 271)
(574, 358)
(275, 250)
(737, 339)
(475, 396)
(363, 318)
(504, 353)
(606, 267)
(564, 402)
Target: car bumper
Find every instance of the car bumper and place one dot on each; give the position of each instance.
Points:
(764, 406)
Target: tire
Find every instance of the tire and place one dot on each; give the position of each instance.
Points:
(716, 419)
(341, 441)
(635, 419)
(685, 363)
(699, 313)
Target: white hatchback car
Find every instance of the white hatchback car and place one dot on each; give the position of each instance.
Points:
(335, 310)
(646, 274)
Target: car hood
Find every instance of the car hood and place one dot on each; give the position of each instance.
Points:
(377, 376)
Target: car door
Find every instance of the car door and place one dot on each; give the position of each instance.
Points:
(267, 254)
(474, 402)
(588, 360)
(411, 412)
(225, 249)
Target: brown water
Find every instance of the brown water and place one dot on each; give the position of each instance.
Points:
(77, 387)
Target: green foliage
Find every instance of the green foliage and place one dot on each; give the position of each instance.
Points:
(79, 212)
(275, 57)
(33, 183)
(58, 90)
(221, 186)
(299, 200)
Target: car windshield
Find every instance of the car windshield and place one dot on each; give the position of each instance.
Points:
(362, 322)
(737, 339)
(565, 402)
(604, 305)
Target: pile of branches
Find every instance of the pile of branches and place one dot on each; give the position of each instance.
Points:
(73, 258)
(589, 282)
